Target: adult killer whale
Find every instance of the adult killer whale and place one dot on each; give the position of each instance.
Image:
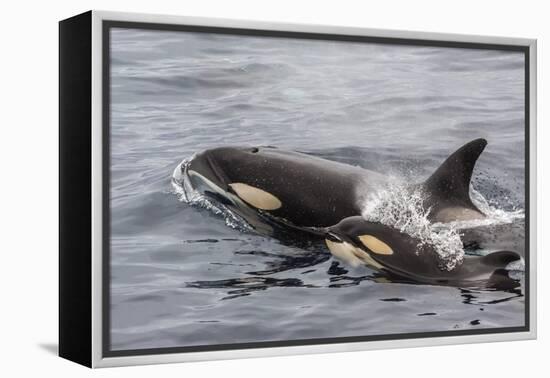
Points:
(305, 192)
(357, 241)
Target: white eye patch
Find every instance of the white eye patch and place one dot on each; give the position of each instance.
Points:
(258, 198)
(375, 245)
(351, 255)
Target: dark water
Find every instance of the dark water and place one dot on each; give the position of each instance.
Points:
(181, 276)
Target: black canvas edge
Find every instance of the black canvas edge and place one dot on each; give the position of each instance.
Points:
(107, 25)
(75, 209)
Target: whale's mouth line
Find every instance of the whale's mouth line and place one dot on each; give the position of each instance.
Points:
(218, 175)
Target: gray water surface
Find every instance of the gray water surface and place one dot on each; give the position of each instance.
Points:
(181, 277)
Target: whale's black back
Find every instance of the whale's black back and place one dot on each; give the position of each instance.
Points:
(314, 192)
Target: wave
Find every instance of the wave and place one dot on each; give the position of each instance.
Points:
(493, 214)
(185, 191)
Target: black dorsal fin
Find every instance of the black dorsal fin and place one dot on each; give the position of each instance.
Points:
(452, 178)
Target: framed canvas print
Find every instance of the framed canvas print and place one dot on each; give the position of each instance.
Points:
(233, 189)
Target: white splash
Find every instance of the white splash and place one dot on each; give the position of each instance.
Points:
(402, 208)
(187, 193)
(493, 215)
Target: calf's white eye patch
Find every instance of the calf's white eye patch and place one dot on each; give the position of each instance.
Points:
(375, 245)
(351, 255)
(258, 198)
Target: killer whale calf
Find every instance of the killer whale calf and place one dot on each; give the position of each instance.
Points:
(357, 241)
(304, 192)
